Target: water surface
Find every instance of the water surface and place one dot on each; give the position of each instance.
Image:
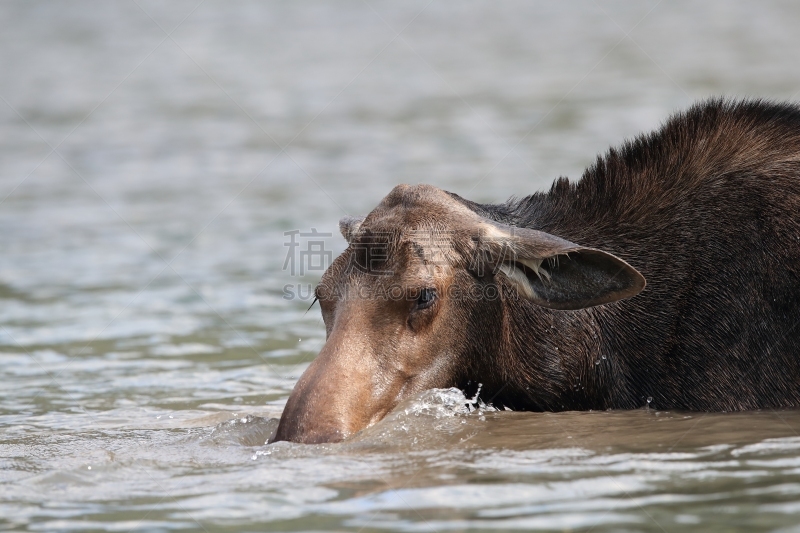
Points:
(152, 157)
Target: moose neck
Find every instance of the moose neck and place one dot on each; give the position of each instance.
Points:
(552, 361)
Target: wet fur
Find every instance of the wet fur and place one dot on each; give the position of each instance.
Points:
(708, 209)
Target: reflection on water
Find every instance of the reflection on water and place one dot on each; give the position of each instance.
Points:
(146, 183)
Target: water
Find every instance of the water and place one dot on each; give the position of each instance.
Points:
(146, 344)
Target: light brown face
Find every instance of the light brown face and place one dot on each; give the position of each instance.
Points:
(408, 305)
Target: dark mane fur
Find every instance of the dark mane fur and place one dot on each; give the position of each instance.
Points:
(708, 209)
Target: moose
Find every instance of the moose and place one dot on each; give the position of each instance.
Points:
(543, 300)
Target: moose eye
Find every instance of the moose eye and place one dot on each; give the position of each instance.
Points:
(426, 298)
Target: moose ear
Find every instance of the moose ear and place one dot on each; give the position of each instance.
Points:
(349, 226)
(558, 274)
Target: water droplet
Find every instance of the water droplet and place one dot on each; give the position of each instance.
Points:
(597, 362)
(88, 468)
(603, 357)
(649, 399)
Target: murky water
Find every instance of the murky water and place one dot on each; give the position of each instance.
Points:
(153, 156)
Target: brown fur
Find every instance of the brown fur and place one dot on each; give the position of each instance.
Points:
(707, 209)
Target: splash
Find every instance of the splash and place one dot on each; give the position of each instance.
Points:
(443, 403)
(433, 416)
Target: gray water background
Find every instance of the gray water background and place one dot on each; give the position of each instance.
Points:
(153, 154)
